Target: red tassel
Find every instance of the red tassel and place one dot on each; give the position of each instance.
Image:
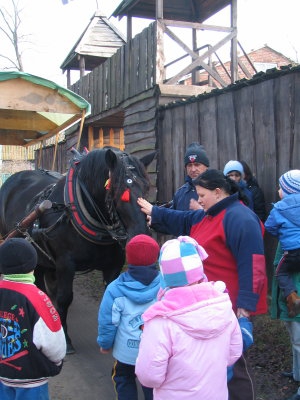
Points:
(126, 196)
(107, 184)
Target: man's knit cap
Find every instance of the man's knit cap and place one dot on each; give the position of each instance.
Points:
(290, 182)
(180, 262)
(142, 250)
(17, 256)
(195, 153)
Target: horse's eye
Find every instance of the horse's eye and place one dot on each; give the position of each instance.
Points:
(129, 181)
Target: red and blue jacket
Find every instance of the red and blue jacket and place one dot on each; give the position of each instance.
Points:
(232, 235)
(32, 339)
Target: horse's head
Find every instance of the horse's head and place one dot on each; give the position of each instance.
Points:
(128, 181)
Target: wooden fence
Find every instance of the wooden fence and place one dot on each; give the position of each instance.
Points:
(257, 121)
(130, 71)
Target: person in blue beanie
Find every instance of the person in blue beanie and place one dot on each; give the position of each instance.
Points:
(235, 171)
(120, 313)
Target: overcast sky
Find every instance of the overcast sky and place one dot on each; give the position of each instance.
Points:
(55, 28)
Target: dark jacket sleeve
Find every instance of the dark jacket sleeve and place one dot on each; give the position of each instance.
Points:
(244, 237)
(174, 222)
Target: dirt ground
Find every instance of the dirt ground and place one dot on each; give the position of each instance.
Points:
(269, 356)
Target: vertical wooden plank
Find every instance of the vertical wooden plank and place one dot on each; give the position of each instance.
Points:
(122, 143)
(295, 134)
(283, 116)
(160, 58)
(143, 50)
(243, 104)
(264, 128)
(91, 137)
(127, 59)
(102, 88)
(208, 129)
(151, 40)
(101, 138)
(178, 147)
(227, 139)
(192, 132)
(111, 137)
(109, 75)
(165, 128)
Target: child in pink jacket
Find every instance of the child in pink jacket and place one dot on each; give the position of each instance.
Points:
(191, 334)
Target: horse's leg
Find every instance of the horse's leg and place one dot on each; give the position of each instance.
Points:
(113, 271)
(39, 278)
(64, 297)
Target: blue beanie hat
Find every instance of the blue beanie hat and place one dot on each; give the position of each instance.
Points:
(233, 165)
(290, 182)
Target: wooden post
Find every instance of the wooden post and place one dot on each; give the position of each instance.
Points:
(195, 73)
(234, 56)
(55, 151)
(91, 137)
(160, 56)
(81, 66)
(159, 9)
(111, 137)
(129, 27)
(101, 138)
(80, 129)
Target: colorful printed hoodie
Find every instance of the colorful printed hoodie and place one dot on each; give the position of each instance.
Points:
(32, 339)
(232, 236)
(189, 339)
(120, 315)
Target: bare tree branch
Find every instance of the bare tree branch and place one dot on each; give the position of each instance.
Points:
(10, 22)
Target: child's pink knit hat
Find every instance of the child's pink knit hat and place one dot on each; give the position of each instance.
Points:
(180, 262)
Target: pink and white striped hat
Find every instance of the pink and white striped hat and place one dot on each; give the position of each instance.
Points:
(180, 262)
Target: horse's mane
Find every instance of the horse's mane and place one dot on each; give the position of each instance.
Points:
(128, 166)
(94, 172)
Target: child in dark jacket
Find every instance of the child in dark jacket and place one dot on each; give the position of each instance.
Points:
(33, 342)
(120, 313)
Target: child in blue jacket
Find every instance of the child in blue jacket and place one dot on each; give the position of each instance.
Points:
(284, 222)
(120, 313)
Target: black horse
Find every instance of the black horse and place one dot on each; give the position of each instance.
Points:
(93, 212)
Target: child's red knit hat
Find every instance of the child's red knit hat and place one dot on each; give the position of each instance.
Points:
(142, 250)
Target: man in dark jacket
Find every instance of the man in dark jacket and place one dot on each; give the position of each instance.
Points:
(196, 162)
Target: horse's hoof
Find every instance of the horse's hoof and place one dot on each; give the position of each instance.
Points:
(70, 348)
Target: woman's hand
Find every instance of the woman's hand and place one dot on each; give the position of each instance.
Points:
(241, 312)
(146, 207)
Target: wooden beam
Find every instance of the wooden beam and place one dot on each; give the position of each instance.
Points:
(25, 120)
(199, 60)
(196, 25)
(234, 56)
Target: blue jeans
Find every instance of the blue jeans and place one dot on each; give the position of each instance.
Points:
(293, 328)
(17, 393)
(124, 379)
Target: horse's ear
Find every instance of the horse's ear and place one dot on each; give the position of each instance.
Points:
(110, 159)
(147, 160)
